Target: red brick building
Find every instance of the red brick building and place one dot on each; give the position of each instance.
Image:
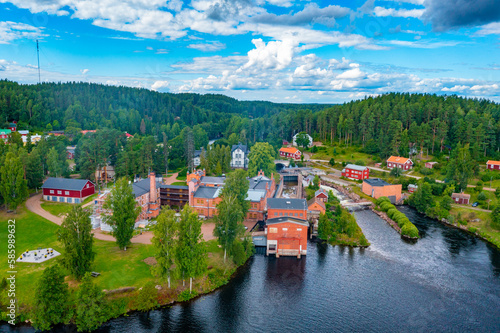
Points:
(290, 152)
(399, 162)
(279, 207)
(461, 198)
(67, 190)
(353, 171)
(493, 165)
(286, 236)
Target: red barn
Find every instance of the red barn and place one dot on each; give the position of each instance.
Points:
(461, 198)
(430, 165)
(353, 171)
(70, 152)
(286, 236)
(13, 126)
(412, 188)
(399, 162)
(290, 152)
(493, 165)
(67, 189)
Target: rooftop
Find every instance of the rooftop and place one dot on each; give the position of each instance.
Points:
(285, 203)
(398, 159)
(255, 195)
(356, 167)
(244, 148)
(285, 219)
(290, 150)
(376, 182)
(213, 180)
(314, 200)
(69, 184)
(461, 195)
(207, 192)
(175, 187)
(142, 187)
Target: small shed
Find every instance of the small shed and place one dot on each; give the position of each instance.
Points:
(461, 198)
(412, 188)
(493, 165)
(430, 165)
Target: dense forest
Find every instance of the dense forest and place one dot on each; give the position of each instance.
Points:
(167, 128)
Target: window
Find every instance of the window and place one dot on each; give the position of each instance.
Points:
(77, 200)
(59, 192)
(87, 186)
(273, 230)
(51, 191)
(70, 200)
(286, 214)
(54, 198)
(299, 229)
(300, 214)
(275, 214)
(61, 199)
(285, 229)
(295, 214)
(66, 192)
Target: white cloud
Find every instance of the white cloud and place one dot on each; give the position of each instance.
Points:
(273, 55)
(10, 31)
(84, 71)
(383, 12)
(208, 47)
(159, 84)
(489, 29)
(422, 44)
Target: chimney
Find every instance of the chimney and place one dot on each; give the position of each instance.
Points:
(152, 187)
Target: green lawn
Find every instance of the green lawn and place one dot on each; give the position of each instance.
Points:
(343, 154)
(484, 225)
(56, 208)
(179, 183)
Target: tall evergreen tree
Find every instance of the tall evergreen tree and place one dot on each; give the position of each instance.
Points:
(121, 203)
(77, 239)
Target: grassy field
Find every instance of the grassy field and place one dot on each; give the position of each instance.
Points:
(118, 268)
(343, 154)
(483, 225)
(56, 208)
(179, 183)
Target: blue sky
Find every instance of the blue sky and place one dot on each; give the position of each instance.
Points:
(276, 50)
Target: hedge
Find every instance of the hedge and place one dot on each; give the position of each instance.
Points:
(407, 228)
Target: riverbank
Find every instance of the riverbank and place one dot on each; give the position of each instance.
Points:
(122, 273)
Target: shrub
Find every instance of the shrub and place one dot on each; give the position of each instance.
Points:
(182, 173)
(392, 212)
(186, 295)
(382, 199)
(481, 196)
(238, 252)
(332, 161)
(472, 229)
(426, 171)
(147, 297)
(409, 230)
(360, 162)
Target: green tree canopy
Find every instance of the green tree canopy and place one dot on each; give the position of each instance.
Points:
(77, 239)
(91, 306)
(121, 202)
(13, 186)
(164, 239)
(228, 220)
(261, 157)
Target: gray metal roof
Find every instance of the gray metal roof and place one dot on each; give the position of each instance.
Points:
(207, 192)
(197, 153)
(241, 146)
(255, 195)
(142, 187)
(320, 191)
(285, 203)
(355, 167)
(376, 182)
(212, 180)
(68, 184)
(286, 219)
(259, 183)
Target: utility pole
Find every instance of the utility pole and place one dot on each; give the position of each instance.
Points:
(38, 58)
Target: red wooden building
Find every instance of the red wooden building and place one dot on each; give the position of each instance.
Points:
(430, 165)
(321, 195)
(353, 171)
(67, 189)
(399, 162)
(461, 198)
(286, 236)
(493, 165)
(290, 152)
(412, 188)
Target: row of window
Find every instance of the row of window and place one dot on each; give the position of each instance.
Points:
(59, 192)
(275, 230)
(291, 214)
(63, 199)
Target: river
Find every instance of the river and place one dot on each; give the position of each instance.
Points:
(447, 281)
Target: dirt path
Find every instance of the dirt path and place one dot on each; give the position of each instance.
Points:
(472, 208)
(34, 205)
(172, 179)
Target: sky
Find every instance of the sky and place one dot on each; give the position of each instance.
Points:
(275, 50)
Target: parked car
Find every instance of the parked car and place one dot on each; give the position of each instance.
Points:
(475, 204)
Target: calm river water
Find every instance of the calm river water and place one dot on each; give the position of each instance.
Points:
(447, 281)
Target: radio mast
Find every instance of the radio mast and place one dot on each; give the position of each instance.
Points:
(38, 58)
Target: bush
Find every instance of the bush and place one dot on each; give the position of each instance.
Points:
(472, 229)
(360, 162)
(182, 173)
(426, 171)
(186, 295)
(238, 252)
(332, 161)
(382, 199)
(409, 230)
(481, 196)
(147, 297)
